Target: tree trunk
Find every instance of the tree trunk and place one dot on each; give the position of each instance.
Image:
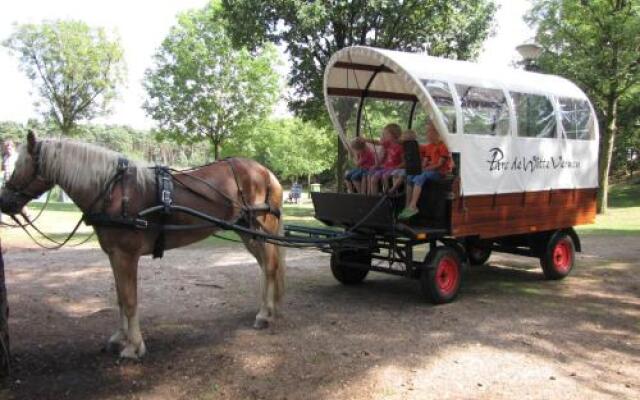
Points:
(216, 149)
(4, 322)
(606, 152)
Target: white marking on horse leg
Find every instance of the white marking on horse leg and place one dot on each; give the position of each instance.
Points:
(263, 318)
(118, 340)
(135, 347)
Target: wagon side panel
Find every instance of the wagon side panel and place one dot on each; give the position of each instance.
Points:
(498, 215)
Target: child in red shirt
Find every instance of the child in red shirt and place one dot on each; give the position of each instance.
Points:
(436, 164)
(391, 160)
(356, 179)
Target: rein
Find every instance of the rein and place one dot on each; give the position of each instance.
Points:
(119, 173)
(166, 206)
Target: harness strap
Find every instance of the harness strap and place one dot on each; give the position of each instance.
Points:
(164, 192)
(123, 169)
(235, 177)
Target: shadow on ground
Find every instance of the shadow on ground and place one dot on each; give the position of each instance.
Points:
(510, 334)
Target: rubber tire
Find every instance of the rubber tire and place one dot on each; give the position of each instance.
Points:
(477, 255)
(553, 255)
(429, 276)
(348, 275)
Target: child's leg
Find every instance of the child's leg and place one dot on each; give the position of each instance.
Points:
(419, 182)
(398, 178)
(409, 190)
(386, 178)
(349, 185)
(374, 182)
(347, 181)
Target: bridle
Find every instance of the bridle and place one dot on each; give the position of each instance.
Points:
(36, 177)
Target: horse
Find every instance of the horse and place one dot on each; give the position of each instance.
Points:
(230, 190)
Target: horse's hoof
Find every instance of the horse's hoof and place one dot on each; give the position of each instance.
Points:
(261, 324)
(113, 347)
(133, 353)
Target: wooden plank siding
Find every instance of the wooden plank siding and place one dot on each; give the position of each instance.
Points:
(497, 215)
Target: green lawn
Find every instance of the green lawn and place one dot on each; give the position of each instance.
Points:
(623, 218)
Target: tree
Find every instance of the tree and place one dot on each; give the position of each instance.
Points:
(313, 30)
(594, 43)
(289, 146)
(201, 88)
(75, 68)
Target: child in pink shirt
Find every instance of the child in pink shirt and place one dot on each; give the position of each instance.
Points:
(391, 159)
(356, 179)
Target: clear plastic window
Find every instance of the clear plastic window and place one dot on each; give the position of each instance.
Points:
(577, 120)
(443, 98)
(420, 121)
(535, 115)
(346, 109)
(484, 111)
(377, 113)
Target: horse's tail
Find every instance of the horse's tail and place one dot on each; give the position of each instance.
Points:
(275, 201)
(282, 266)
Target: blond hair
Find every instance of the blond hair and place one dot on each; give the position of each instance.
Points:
(358, 143)
(409, 134)
(394, 130)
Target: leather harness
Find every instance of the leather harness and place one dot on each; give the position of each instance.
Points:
(165, 199)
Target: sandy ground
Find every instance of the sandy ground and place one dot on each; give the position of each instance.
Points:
(509, 335)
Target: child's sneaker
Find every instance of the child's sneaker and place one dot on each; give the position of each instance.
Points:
(407, 213)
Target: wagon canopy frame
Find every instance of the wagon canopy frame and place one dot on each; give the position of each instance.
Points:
(553, 145)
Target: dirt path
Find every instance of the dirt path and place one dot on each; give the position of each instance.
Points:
(509, 335)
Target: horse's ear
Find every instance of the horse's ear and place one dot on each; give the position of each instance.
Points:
(31, 141)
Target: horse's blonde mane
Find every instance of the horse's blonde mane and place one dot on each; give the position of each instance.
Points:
(81, 166)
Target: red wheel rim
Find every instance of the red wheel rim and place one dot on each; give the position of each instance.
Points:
(562, 256)
(447, 275)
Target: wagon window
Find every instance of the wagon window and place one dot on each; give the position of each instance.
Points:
(577, 121)
(441, 95)
(346, 109)
(376, 113)
(484, 111)
(535, 115)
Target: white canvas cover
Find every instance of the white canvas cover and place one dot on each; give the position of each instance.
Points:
(496, 155)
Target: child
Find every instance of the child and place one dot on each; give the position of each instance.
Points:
(436, 164)
(356, 179)
(399, 173)
(391, 158)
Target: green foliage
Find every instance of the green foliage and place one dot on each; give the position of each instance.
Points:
(289, 146)
(313, 30)
(595, 43)
(75, 68)
(138, 144)
(202, 88)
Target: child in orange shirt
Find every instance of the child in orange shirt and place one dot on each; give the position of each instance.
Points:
(436, 164)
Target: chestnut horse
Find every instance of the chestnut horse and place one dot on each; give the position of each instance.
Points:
(224, 189)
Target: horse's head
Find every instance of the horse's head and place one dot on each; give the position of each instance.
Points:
(26, 183)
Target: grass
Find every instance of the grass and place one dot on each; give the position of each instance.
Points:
(623, 218)
(623, 215)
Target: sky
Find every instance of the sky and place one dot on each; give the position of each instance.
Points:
(143, 24)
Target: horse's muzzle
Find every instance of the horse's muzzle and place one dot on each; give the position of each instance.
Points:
(9, 204)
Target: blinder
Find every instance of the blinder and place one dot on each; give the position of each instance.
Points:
(35, 177)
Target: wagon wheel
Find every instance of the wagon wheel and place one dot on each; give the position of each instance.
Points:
(343, 269)
(442, 275)
(476, 253)
(559, 256)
